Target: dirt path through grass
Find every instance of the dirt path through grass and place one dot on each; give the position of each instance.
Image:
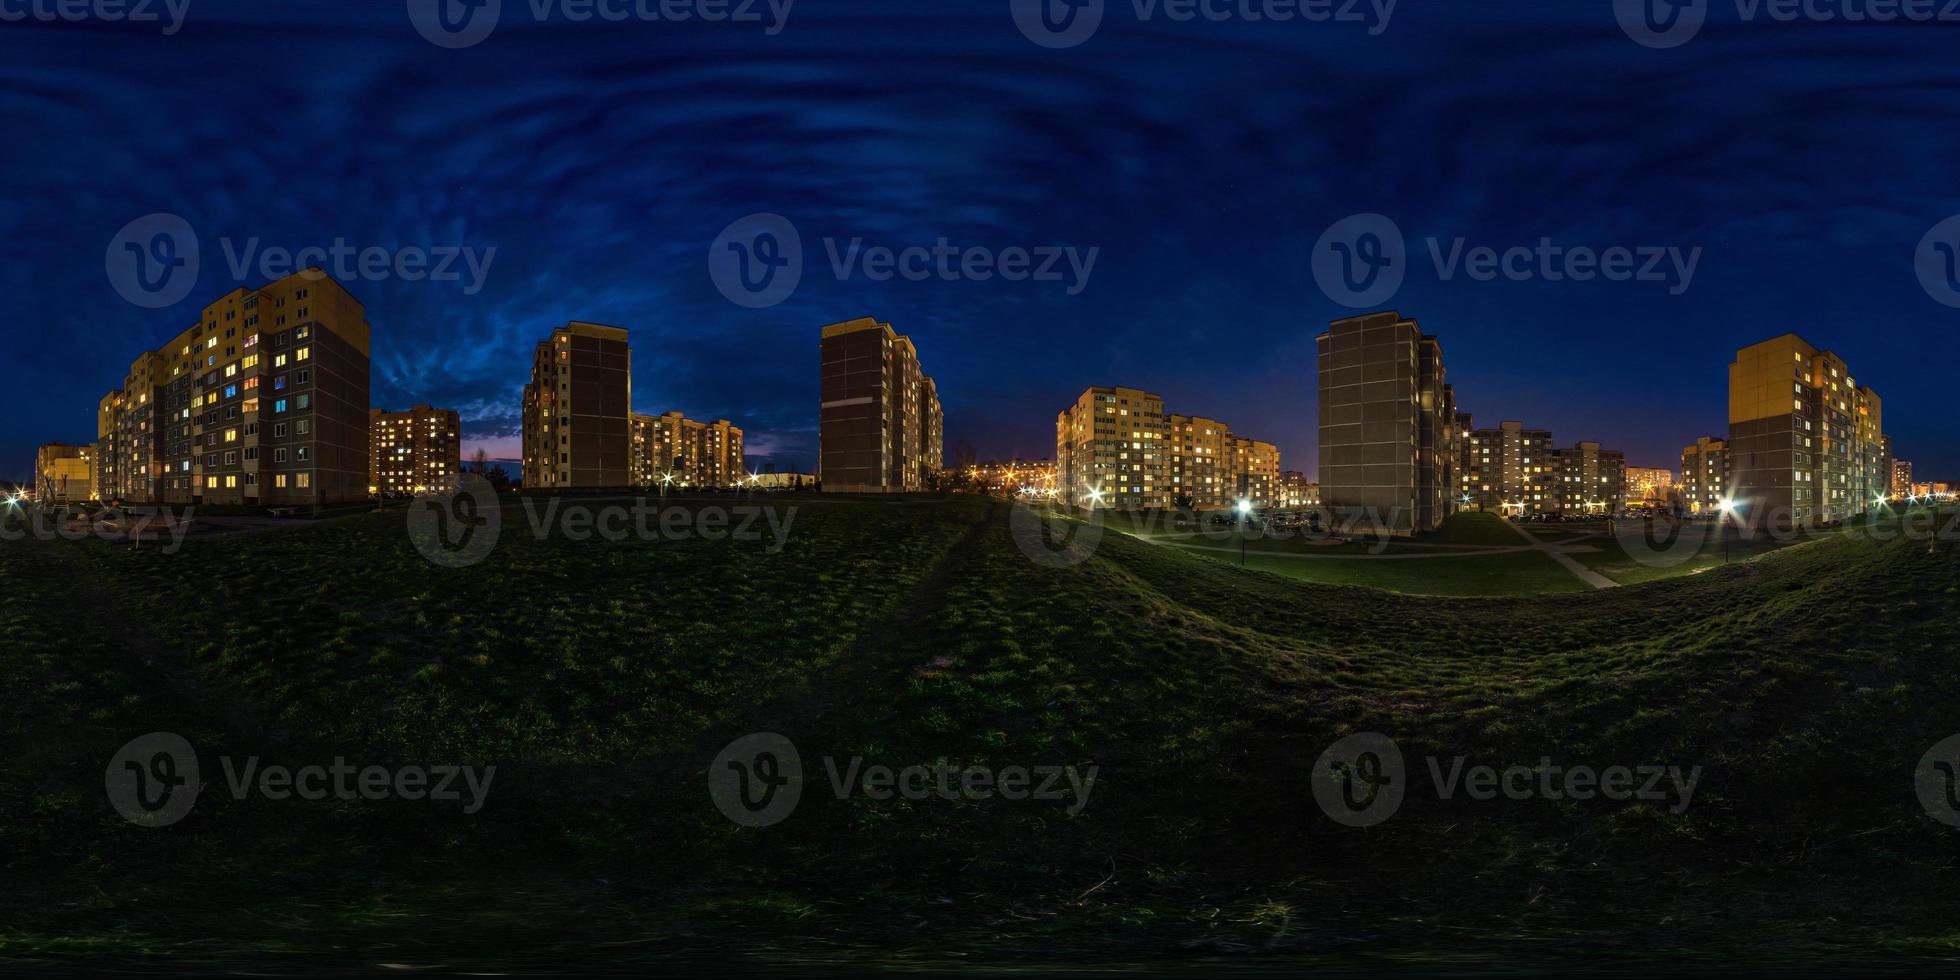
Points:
(1571, 564)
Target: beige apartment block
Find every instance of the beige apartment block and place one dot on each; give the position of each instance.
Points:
(262, 402)
(1203, 461)
(1705, 475)
(1806, 442)
(672, 450)
(1117, 448)
(1255, 472)
(1112, 449)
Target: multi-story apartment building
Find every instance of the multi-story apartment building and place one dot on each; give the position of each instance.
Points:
(1203, 462)
(880, 427)
(1116, 447)
(108, 447)
(932, 427)
(672, 449)
(417, 451)
(264, 401)
(1589, 480)
(1649, 485)
(1514, 469)
(1296, 492)
(1390, 436)
(577, 410)
(1901, 477)
(1255, 472)
(1705, 475)
(1112, 449)
(1509, 469)
(64, 473)
(1009, 477)
(1806, 442)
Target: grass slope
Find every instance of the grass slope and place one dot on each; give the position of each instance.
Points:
(601, 679)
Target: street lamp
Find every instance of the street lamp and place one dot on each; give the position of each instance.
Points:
(1722, 526)
(1245, 511)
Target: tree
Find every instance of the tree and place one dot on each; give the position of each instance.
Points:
(480, 464)
(498, 477)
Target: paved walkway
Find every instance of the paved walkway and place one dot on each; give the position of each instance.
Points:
(1558, 554)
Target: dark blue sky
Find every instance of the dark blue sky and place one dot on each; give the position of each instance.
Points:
(1203, 159)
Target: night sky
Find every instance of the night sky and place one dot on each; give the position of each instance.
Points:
(1204, 160)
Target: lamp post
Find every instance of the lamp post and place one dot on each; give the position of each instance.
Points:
(1245, 510)
(1722, 526)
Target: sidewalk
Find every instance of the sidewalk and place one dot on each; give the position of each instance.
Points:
(1558, 554)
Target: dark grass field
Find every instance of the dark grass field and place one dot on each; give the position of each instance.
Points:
(601, 679)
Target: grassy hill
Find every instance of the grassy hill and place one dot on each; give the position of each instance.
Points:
(601, 680)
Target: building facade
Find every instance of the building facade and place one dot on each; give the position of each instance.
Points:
(672, 450)
(577, 410)
(1013, 476)
(264, 401)
(1806, 442)
(1390, 436)
(1509, 469)
(1649, 486)
(880, 427)
(1112, 450)
(1901, 477)
(1514, 469)
(64, 474)
(1705, 475)
(1255, 473)
(1203, 458)
(1116, 447)
(1589, 480)
(417, 451)
(1296, 492)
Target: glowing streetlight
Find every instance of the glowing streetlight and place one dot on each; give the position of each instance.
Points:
(1245, 510)
(1728, 507)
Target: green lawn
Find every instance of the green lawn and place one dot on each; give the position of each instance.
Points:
(1446, 574)
(603, 678)
(1452, 563)
(1610, 555)
(1474, 527)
